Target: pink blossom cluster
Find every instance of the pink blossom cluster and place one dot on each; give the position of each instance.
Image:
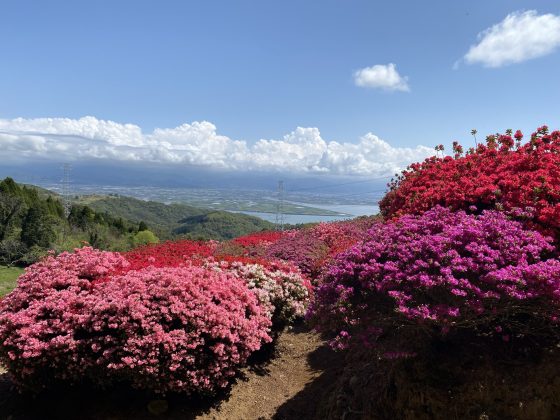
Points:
(184, 329)
(38, 319)
(284, 294)
(441, 270)
(312, 249)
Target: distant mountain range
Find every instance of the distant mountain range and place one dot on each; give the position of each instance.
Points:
(130, 174)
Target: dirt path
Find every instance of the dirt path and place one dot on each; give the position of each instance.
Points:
(260, 395)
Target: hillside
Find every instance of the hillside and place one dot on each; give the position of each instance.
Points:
(170, 220)
(162, 218)
(33, 221)
(222, 225)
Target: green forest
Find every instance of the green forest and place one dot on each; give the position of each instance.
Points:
(32, 222)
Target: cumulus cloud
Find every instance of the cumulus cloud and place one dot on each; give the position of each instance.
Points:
(519, 37)
(381, 76)
(302, 151)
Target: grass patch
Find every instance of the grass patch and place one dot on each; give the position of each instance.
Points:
(8, 279)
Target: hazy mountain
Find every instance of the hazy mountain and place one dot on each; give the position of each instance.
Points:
(111, 173)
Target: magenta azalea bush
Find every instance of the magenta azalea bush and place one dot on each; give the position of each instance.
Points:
(185, 329)
(441, 271)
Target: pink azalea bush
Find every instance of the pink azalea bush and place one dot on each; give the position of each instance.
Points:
(302, 249)
(183, 329)
(313, 248)
(284, 293)
(38, 319)
(442, 271)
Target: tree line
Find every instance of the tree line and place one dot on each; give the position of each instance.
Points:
(32, 222)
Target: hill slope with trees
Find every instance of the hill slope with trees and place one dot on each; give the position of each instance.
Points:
(33, 221)
(171, 220)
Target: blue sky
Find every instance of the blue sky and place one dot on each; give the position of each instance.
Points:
(259, 69)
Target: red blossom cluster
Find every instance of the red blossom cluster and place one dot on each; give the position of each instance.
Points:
(503, 174)
(252, 245)
(259, 238)
(168, 254)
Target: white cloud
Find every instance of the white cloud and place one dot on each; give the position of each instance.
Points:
(519, 37)
(302, 151)
(381, 76)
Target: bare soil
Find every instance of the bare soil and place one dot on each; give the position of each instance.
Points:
(263, 391)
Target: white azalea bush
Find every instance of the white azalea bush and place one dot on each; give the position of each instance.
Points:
(282, 290)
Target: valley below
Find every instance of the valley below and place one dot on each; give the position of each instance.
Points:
(297, 207)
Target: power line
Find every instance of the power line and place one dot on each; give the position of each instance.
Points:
(280, 207)
(66, 167)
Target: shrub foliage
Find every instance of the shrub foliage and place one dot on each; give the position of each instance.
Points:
(179, 329)
(441, 271)
(504, 174)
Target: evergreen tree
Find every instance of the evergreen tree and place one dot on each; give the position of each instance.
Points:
(10, 209)
(37, 228)
(9, 186)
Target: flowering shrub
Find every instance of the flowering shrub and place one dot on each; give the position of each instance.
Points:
(184, 329)
(256, 244)
(284, 294)
(503, 174)
(441, 271)
(302, 249)
(339, 236)
(168, 254)
(38, 318)
(312, 249)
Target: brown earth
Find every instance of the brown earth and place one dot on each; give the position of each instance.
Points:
(263, 391)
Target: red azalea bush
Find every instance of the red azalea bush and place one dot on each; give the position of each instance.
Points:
(184, 329)
(259, 238)
(256, 244)
(168, 254)
(523, 180)
(274, 264)
(439, 272)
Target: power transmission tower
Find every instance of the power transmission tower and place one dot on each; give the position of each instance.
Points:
(66, 167)
(280, 207)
